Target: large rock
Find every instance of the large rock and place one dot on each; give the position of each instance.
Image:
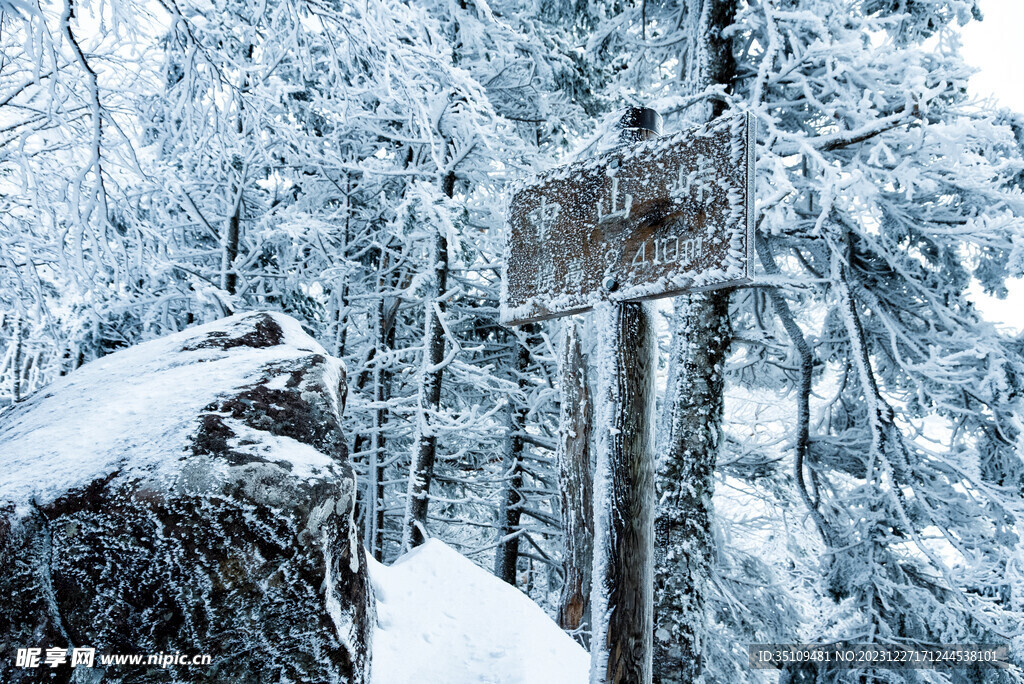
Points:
(190, 495)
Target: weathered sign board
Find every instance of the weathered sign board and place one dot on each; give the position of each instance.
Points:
(643, 221)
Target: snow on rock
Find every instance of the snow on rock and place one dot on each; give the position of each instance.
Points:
(443, 620)
(135, 411)
(188, 495)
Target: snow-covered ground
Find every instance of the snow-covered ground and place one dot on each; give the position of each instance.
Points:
(443, 620)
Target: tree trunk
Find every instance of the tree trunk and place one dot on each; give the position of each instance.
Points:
(229, 278)
(684, 537)
(624, 497)
(425, 448)
(229, 281)
(701, 332)
(575, 425)
(507, 556)
(16, 360)
(421, 470)
(382, 376)
(342, 314)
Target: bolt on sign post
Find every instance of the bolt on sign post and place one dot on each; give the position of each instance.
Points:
(653, 217)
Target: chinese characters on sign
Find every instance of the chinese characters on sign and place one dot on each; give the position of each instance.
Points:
(643, 221)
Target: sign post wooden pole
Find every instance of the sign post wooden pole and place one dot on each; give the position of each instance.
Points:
(623, 603)
(654, 217)
(623, 598)
(624, 520)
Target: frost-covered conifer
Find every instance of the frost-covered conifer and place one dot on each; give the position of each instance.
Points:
(884, 193)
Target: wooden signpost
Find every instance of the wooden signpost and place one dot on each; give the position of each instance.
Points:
(653, 217)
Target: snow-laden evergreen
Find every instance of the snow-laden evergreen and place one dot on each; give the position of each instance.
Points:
(884, 192)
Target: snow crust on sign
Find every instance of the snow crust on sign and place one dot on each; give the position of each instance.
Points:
(723, 175)
(133, 412)
(443, 620)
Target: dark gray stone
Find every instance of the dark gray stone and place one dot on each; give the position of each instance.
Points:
(235, 555)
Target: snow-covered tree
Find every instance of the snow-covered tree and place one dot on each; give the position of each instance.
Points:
(884, 193)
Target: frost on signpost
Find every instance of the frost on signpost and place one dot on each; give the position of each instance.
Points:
(642, 221)
(653, 217)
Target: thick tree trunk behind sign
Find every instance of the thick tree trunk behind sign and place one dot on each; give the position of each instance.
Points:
(683, 530)
(624, 497)
(574, 484)
(701, 335)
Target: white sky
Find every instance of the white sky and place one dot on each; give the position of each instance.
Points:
(994, 46)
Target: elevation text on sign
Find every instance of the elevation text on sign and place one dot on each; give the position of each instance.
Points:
(639, 222)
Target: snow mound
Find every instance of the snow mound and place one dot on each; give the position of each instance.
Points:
(443, 620)
(135, 411)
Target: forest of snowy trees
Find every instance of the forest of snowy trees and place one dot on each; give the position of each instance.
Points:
(839, 442)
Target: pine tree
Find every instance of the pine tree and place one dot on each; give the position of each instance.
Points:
(883, 193)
